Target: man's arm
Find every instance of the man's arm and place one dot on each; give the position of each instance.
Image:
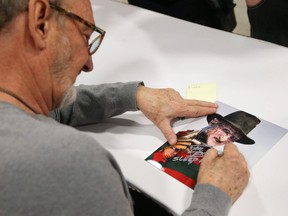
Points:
(161, 106)
(98, 102)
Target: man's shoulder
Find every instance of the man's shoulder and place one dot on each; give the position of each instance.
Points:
(20, 127)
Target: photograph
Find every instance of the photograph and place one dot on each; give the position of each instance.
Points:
(249, 132)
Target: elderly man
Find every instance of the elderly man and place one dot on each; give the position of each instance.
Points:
(48, 168)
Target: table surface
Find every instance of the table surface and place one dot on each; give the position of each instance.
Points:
(162, 51)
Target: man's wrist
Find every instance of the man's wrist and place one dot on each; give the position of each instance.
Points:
(140, 85)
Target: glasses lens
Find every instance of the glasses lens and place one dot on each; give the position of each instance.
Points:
(94, 42)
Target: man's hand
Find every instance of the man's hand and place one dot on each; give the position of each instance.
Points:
(162, 106)
(228, 172)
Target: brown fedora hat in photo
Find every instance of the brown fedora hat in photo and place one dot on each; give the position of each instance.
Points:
(241, 121)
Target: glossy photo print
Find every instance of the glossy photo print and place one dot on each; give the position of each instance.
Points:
(182, 160)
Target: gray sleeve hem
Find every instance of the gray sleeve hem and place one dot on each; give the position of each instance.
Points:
(209, 201)
(129, 101)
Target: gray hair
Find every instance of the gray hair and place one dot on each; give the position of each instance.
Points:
(9, 9)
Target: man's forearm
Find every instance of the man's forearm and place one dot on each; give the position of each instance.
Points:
(208, 201)
(95, 103)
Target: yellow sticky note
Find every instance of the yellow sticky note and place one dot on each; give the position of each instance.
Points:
(205, 92)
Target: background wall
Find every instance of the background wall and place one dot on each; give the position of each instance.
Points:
(243, 26)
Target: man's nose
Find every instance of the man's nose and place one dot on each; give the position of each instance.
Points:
(88, 65)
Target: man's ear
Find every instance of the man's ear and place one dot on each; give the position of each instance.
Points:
(38, 21)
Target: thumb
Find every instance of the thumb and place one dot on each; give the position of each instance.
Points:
(168, 132)
(210, 155)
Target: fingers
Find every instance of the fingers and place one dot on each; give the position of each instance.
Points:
(232, 150)
(231, 147)
(210, 155)
(233, 153)
(196, 108)
(200, 103)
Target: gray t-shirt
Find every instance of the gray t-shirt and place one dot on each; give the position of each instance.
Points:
(51, 169)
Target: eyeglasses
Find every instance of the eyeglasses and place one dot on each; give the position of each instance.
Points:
(97, 35)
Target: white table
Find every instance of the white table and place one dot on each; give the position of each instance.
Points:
(167, 52)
